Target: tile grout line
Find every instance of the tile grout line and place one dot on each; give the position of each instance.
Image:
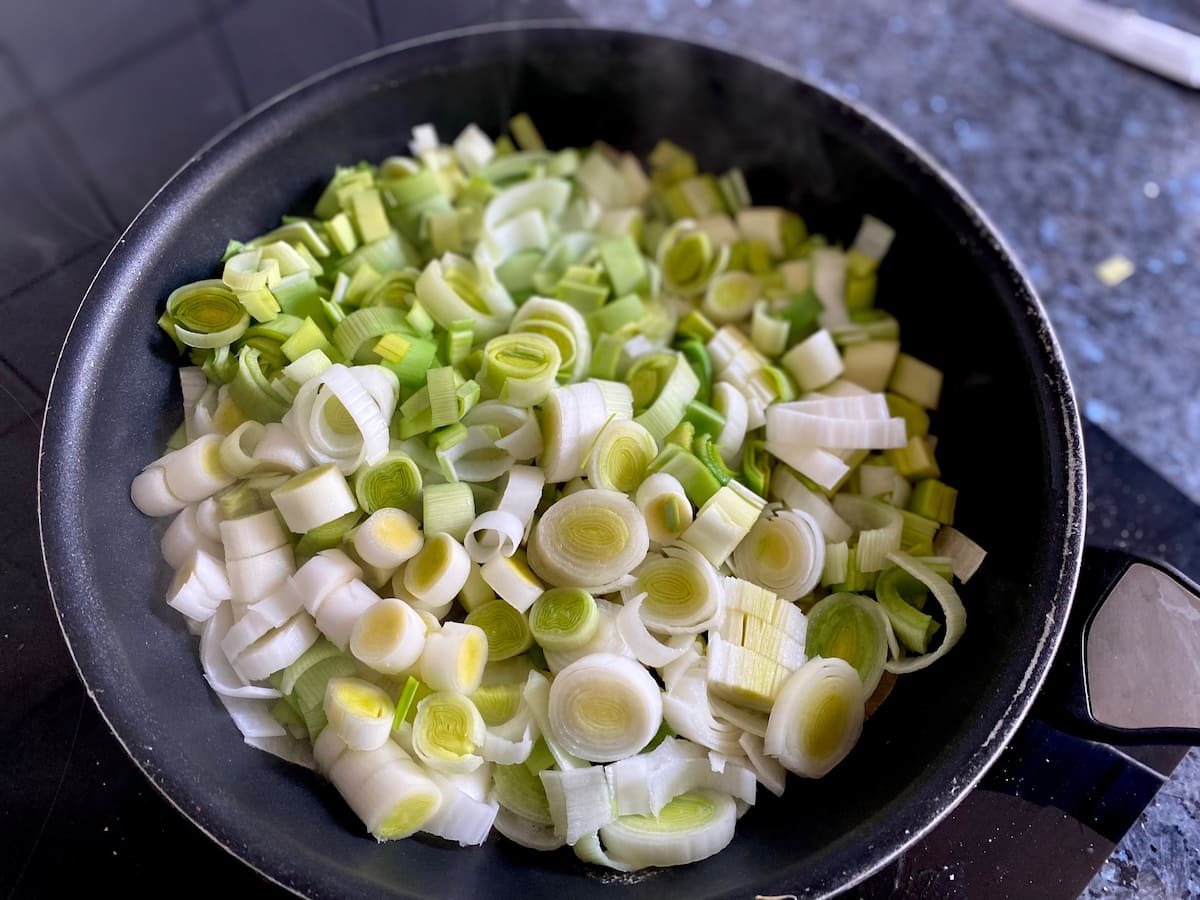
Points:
(57, 267)
(42, 112)
(214, 34)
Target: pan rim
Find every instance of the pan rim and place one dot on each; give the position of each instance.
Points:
(1062, 415)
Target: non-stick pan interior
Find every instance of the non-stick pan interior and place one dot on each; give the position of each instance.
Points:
(1008, 440)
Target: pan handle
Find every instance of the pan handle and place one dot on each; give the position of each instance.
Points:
(1128, 670)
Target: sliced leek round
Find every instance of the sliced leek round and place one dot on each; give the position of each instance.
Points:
(850, 627)
(691, 827)
(448, 733)
(589, 539)
(359, 712)
(506, 629)
(784, 553)
(564, 619)
(817, 717)
(604, 707)
(389, 637)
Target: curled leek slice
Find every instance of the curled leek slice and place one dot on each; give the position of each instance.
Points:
(506, 629)
(618, 459)
(784, 553)
(817, 718)
(448, 733)
(524, 831)
(564, 325)
(691, 827)
(879, 526)
(207, 314)
(730, 297)
(682, 591)
(389, 637)
(564, 619)
(647, 648)
(952, 608)
(359, 712)
(394, 481)
(454, 658)
(521, 367)
(571, 421)
(853, 628)
(665, 507)
(590, 539)
(662, 385)
(687, 258)
(453, 289)
(604, 707)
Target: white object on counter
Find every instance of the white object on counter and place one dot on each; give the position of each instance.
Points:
(1120, 32)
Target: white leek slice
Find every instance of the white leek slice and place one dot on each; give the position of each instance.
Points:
(463, 817)
(791, 423)
(821, 466)
(683, 591)
(731, 403)
(814, 362)
(199, 587)
(454, 658)
(526, 832)
(665, 507)
(748, 720)
(795, 494)
(829, 284)
(452, 289)
(549, 195)
(252, 535)
(572, 417)
(580, 801)
(252, 717)
(236, 453)
(493, 533)
(438, 572)
(320, 576)
(687, 710)
(388, 538)
(448, 733)
(676, 669)
(879, 526)
(280, 450)
(770, 773)
(341, 609)
(395, 799)
(952, 608)
(784, 553)
(283, 746)
(521, 435)
(540, 314)
(874, 238)
(966, 556)
(692, 827)
(564, 619)
(219, 674)
(183, 536)
(255, 577)
(648, 649)
(389, 637)
(604, 707)
(150, 494)
(277, 649)
(313, 498)
(590, 539)
(817, 718)
(723, 521)
(359, 712)
(512, 580)
(606, 639)
(194, 472)
(256, 620)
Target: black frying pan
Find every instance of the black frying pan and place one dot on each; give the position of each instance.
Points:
(1010, 440)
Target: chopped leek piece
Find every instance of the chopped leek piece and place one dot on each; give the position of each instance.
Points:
(507, 630)
(564, 619)
(395, 482)
(589, 539)
(896, 590)
(604, 707)
(933, 500)
(850, 627)
(817, 718)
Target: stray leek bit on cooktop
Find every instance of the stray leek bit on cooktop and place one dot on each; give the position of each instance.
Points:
(528, 490)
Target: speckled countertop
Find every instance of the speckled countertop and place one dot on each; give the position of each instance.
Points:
(1076, 158)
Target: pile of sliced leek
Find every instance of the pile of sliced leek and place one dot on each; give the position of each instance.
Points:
(534, 491)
